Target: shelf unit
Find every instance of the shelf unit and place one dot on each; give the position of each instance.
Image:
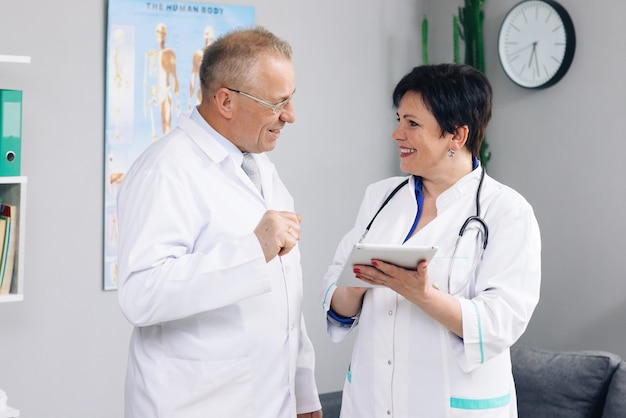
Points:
(13, 191)
(9, 413)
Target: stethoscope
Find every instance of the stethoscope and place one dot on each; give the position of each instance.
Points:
(483, 230)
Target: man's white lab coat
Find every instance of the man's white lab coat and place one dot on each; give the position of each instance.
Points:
(218, 331)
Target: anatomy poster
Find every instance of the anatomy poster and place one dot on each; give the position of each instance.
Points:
(153, 55)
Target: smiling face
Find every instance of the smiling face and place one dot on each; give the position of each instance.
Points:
(423, 147)
(255, 127)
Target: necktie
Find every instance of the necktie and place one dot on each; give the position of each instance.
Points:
(252, 170)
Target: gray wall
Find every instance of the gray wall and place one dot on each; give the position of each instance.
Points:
(563, 148)
(63, 349)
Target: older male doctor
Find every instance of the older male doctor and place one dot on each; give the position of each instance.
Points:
(210, 271)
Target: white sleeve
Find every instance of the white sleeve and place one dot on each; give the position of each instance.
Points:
(366, 211)
(507, 288)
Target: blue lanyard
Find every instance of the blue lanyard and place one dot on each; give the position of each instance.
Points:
(419, 197)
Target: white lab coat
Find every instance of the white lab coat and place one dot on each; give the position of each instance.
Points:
(218, 331)
(405, 364)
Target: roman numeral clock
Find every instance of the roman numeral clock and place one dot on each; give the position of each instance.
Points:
(536, 43)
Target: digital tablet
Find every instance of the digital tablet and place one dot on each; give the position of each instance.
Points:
(401, 255)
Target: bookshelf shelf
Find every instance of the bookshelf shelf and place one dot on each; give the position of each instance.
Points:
(13, 191)
(23, 59)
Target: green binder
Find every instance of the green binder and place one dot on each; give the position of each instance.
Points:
(10, 132)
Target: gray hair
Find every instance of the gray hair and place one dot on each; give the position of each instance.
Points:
(231, 60)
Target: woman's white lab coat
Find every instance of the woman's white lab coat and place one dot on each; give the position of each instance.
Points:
(218, 331)
(405, 364)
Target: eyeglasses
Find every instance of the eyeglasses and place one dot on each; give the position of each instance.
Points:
(275, 107)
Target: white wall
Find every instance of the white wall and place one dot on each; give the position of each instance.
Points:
(63, 349)
(564, 149)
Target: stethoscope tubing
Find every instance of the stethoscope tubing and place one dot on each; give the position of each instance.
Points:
(470, 219)
(476, 217)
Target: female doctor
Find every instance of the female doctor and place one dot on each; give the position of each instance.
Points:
(434, 341)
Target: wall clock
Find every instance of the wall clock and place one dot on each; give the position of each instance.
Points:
(536, 43)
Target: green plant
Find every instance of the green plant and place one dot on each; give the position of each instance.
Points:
(468, 26)
(425, 41)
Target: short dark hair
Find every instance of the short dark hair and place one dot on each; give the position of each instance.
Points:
(456, 95)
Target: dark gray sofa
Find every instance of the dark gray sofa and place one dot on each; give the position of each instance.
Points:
(569, 384)
(555, 384)
(331, 404)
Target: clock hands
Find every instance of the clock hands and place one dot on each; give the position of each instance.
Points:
(534, 54)
(514, 53)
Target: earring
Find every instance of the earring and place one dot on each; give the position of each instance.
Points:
(450, 153)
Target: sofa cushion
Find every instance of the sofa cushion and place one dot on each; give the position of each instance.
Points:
(615, 406)
(561, 384)
(331, 404)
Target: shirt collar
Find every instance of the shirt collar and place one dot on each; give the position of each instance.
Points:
(232, 150)
(449, 196)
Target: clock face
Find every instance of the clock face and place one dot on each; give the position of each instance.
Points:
(536, 43)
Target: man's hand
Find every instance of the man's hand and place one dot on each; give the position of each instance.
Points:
(278, 232)
(315, 414)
